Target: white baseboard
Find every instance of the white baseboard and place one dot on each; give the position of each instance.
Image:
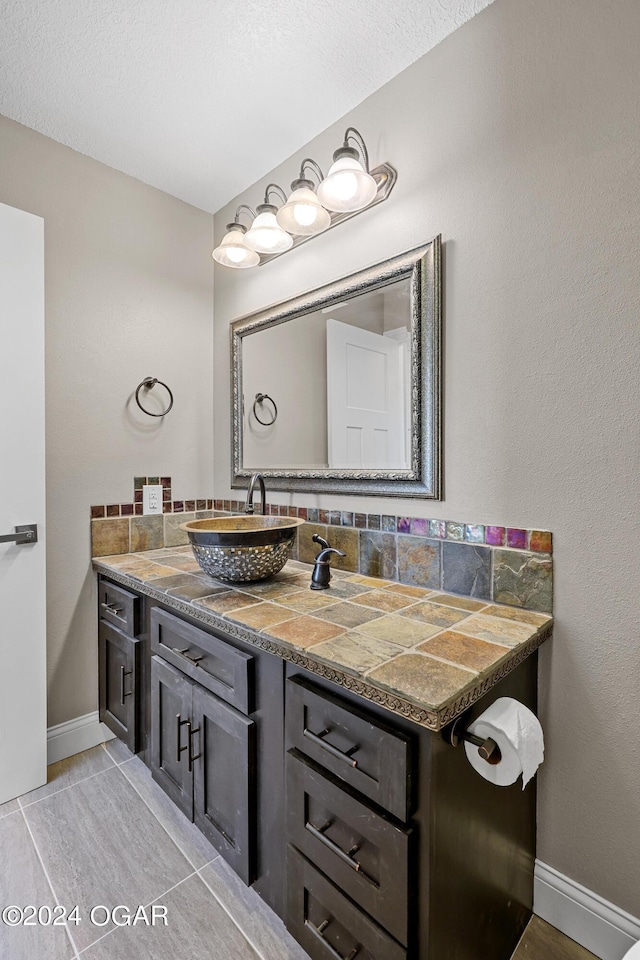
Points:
(598, 925)
(74, 736)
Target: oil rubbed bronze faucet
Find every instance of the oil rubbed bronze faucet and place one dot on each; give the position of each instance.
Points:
(322, 571)
(248, 506)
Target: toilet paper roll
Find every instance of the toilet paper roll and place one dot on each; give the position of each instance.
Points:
(634, 953)
(518, 733)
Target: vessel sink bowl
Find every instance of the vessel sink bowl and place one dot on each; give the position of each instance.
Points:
(242, 548)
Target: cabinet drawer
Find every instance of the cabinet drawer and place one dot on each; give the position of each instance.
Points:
(363, 852)
(361, 750)
(119, 670)
(326, 924)
(214, 663)
(119, 607)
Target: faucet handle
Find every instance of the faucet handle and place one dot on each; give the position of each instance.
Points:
(323, 543)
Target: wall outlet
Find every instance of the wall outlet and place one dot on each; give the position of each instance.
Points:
(151, 498)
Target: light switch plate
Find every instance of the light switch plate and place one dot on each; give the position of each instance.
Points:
(151, 498)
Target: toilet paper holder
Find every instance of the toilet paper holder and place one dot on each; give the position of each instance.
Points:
(488, 749)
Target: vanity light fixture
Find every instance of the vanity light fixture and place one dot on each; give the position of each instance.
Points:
(303, 214)
(233, 252)
(266, 235)
(348, 188)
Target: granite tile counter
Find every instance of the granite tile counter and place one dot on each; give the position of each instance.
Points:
(423, 654)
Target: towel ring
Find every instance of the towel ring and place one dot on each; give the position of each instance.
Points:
(260, 397)
(148, 383)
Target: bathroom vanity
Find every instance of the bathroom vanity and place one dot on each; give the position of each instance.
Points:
(327, 786)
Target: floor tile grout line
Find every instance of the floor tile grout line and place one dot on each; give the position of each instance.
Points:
(157, 819)
(69, 787)
(155, 900)
(229, 914)
(48, 879)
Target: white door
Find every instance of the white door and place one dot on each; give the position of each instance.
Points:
(23, 704)
(365, 399)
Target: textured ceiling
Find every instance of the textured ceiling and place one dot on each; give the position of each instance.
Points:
(202, 97)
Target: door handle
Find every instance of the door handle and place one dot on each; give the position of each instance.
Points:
(27, 533)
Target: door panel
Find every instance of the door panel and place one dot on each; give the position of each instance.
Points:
(119, 679)
(365, 399)
(225, 780)
(171, 700)
(23, 691)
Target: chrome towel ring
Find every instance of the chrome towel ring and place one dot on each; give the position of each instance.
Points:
(149, 383)
(260, 398)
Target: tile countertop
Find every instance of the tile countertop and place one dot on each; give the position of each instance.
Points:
(424, 654)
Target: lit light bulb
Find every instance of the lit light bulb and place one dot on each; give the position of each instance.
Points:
(302, 214)
(305, 214)
(266, 235)
(345, 185)
(237, 254)
(232, 251)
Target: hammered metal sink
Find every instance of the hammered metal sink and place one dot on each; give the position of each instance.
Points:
(242, 548)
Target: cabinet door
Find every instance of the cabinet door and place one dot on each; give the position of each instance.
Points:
(118, 695)
(223, 751)
(171, 700)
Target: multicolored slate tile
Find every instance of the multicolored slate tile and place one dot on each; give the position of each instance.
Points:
(422, 678)
(357, 652)
(419, 561)
(399, 630)
(435, 613)
(523, 579)
(466, 569)
(464, 651)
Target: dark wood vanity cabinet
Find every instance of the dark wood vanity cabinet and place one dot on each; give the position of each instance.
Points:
(203, 756)
(369, 835)
(119, 653)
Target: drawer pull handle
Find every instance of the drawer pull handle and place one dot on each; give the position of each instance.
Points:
(124, 673)
(185, 653)
(319, 741)
(319, 933)
(320, 834)
(114, 611)
(191, 732)
(179, 723)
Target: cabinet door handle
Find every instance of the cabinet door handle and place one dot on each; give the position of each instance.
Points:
(114, 611)
(179, 723)
(124, 673)
(191, 732)
(318, 739)
(318, 932)
(185, 653)
(346, 857)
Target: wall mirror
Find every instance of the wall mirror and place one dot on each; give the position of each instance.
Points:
(339, 390)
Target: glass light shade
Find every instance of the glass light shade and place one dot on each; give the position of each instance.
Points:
(233, 252)
(303, 214)
(265, 235)
(347, 186)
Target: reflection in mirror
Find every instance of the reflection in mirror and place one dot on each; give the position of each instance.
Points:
(339, 389)
(340, 379)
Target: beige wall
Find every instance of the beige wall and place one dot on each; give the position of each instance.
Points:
(128, 288)
(517, 138)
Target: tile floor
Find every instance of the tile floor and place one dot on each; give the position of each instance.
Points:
(102, 832)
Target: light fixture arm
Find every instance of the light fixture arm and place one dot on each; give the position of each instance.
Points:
(309, 162)
(274, 188)
(244, 206)
(352, 134)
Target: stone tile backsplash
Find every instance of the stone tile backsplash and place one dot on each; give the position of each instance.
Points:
(510, 565)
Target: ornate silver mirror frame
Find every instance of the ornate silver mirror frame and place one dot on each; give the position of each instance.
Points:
(423, 266)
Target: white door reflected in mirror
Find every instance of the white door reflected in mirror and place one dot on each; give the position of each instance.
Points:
(365, 399)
